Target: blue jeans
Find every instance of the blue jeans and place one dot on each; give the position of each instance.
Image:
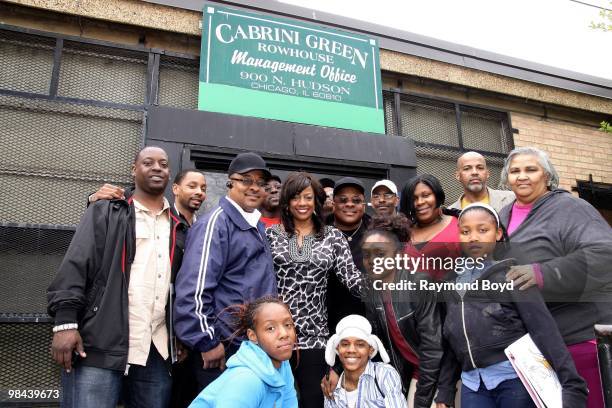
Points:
(92, 387)
(508, 394)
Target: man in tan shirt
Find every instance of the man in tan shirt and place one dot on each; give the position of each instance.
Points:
(473, 174)
(111, 296)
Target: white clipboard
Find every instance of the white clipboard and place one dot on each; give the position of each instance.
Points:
(535, 372)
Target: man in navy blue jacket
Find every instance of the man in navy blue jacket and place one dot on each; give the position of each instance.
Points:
(227, 262)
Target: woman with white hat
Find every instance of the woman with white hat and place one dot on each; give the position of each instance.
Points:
(364, 383)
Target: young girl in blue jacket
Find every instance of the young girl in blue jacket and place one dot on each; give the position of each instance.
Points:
(480, 324)
(259, 374)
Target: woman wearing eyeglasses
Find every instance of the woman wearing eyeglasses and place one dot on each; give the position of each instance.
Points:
(305, 252)
(434, 228)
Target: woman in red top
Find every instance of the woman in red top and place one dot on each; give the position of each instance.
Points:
(434, 229)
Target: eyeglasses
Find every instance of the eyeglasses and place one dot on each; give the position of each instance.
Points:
(247, 181)
(387, 196)
(344, 200)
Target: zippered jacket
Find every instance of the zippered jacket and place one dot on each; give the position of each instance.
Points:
(227, 262)
(91, 285)
(418, 318)
(572, 243)
(479, 325)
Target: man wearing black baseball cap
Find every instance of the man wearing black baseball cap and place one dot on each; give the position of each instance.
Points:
(350, 218)
(227, 262)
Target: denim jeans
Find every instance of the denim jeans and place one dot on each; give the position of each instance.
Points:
(508, 394)
(92, 387)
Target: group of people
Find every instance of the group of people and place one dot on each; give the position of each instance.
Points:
(250, 304)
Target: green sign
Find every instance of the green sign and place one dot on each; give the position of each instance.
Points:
(275, 68)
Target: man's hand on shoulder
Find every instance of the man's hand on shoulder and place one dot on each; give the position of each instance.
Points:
(64, 343)
(107, 192)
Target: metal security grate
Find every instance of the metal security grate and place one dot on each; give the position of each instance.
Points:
(444, 130)
(44, 200)
(429, 121)
(103, 74)
(485, 130)
(29, 259)
(442, 164)
(26, 362)
(390, 117)
(178, 82)
(26, 61)
(43, 137)
(56, 154)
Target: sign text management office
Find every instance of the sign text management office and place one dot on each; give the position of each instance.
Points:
(269, 67)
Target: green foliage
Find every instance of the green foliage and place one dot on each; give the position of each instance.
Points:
(606, 127)
(606, 23)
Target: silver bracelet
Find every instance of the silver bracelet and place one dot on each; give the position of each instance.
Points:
(66, 326)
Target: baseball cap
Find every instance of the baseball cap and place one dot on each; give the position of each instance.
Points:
(327, 182)
(349, 181)
(274, 177)
(245, 162)
(386, 183)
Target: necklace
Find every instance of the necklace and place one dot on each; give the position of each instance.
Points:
(304, 253)
(349, 238)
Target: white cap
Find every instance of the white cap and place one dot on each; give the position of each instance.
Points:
(387, 183)
(354, 326)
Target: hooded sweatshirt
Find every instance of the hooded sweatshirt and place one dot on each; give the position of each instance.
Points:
(250, 381)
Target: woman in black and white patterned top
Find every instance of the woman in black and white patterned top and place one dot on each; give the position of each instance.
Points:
(305, 252)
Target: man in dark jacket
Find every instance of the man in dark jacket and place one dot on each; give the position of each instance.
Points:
(111, 296)
(227, 262)
(350, 218)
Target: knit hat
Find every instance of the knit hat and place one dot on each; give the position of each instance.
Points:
(354, 326)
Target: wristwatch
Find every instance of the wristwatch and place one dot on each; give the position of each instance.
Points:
(65, 326)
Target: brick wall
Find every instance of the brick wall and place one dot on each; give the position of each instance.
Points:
(575, 150)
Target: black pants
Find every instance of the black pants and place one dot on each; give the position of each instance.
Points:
(205, 377)
(184, 385)
(309, 367)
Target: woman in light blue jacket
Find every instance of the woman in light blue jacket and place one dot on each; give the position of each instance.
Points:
(259, 374)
